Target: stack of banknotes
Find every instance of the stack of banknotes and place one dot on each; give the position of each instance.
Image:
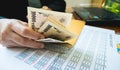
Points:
(52, 24)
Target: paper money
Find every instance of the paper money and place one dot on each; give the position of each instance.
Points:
(51, 30)
(64, 18)
(47, 25)
(50, 40)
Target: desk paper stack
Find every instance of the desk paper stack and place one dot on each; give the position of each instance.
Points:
(95, 49)
(117, 38)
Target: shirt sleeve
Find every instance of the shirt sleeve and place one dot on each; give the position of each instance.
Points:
(58, 5)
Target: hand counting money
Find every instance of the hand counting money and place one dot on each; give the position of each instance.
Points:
(48, 25)
(64, 18)
(53, 25)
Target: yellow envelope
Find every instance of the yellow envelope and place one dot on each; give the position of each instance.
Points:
(75, 27)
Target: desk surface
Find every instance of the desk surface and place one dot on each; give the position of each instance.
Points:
(116, 28)
(75, 16)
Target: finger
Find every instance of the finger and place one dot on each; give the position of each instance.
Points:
(46, 8)
(24, 42)
(4, 32)
(10, 43)
(25, 31)
(27, 16)
(24, 23)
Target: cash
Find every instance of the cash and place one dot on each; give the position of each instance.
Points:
(52, 24)
(64, 18)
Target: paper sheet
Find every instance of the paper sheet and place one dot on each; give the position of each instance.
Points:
(94, 50)
(117, 39)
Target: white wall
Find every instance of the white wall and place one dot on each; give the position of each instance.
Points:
(73, 3)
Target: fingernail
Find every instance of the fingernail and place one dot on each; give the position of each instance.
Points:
(41, 45)
(42, 37)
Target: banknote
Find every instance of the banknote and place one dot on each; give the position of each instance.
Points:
(51, 30)
(64, 18)
(50, 40)
(50, 25)
(47, 24)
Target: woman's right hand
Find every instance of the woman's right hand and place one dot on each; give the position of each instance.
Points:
(15, 33)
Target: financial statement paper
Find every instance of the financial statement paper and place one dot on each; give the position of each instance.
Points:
(117, 39)
(95, 49)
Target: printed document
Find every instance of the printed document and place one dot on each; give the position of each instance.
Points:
(95, 49)
(117, 38)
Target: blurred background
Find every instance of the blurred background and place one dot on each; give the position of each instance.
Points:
(85, 3)
(97, 3)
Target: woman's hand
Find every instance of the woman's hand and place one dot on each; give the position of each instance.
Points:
(15, 33)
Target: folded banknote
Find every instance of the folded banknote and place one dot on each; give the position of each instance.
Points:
(52, 24)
